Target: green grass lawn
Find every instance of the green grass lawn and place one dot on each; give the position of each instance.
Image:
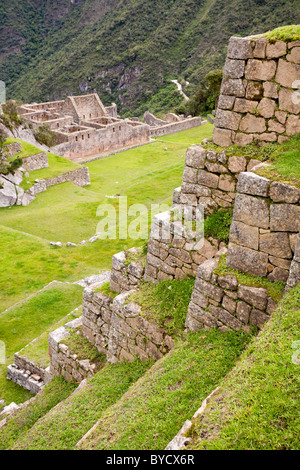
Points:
(257, 406)
(154, 409)
(23, 323)
(64, 425)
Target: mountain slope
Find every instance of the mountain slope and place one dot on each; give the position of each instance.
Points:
(125, 50)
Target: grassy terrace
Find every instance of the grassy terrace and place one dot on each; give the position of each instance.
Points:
(22, 323)
(257, 406)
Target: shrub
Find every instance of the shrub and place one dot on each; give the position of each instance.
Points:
(44, 135)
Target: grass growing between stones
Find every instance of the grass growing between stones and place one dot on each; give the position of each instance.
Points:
(151, 413)
(165, 304)
(81, 346)
(217, 225)
(106, 290)
(257, 406)
(275, 289)
(65, 425)
(23, 323)
(53, 393)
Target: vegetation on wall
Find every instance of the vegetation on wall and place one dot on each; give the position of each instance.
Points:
(44, 135)
(6, 166)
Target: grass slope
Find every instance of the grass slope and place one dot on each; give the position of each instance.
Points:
(153, 410)
(64, 425)
(53, 393)
(23, 323)
(257, 406)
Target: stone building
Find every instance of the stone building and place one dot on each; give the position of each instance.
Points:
(84, 126)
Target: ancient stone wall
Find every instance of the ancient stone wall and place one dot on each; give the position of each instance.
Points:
(13, 148)
(294, 274)
(35, 162)
(126, 274)
(258, 94)
(170, 128)
(222, 302)
(265, 226)
(118, 330)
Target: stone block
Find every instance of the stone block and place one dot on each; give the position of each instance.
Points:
(223, 137)
(292, 125)
(276, 50)
(233, 87)
(197, 189)
(237, 164)
(242, 139)
(243, 234)
(227, 183)
(208, 179)
(212, 291)
(207, 268)
(227, 119)
(199, 299)
(228, 282)
(226, 102)
(242, 105)
(247, 260)
(260, 70)
(251, 211)
(250, 183)
(256, 296)
(215, 167)
(267, 108)
(234, 68)
(287, 102)
(276, 244)
(287, 74)
(239, 48)
(294, 56)
(278, 275)
(279, 262)
(254, 90)
(225, 317)
(243, 312)
(258, 318)
(259, 51)
(270, 90)
(275, 126)
(253, 124)
(284, 218)
(195, 157)
(229, 304)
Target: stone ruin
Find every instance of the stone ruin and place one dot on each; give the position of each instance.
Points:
(84, 127)
(258, 99)
(171, 123)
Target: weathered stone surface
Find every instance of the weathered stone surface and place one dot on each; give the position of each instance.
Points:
(207, 268)
(276, 244)
(280, 263)
(208, 179)
(278, 275)
(243, 312)
(278, 49)
(8, 195)
(227, 183)
(252, 164)
(250, 183)
(237, 164)
(214, 292)
(239, 48)
(226, 102)
(233, 87)
(234, 68)
(195, 157)
(251, 211)
(288, 101)
(228, 282)
(284, 218)
(242, 105)
(292, 125)
(223, 137)
(259, 51)
(202, 316)
(254, 90)
(293, 44)
(267, 107)
(258, 318)
(247, 260)
(244, 235)
(287, 74)
(225, 317)
(190, 174)
(294, 276)
(251, 124)
(215, 167)
(196, 189)
(259, 70)
(270, 90)
(229, 304)
(281, 116)
(255, 296)
(242, 139)
(227, 119)
(294, 56)
(280, 192)
(275, 126)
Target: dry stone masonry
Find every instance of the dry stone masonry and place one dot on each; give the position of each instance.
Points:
(117, 328)
(257, 100)
(126, 272)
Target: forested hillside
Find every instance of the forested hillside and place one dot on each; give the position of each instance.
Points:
(126, 50)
